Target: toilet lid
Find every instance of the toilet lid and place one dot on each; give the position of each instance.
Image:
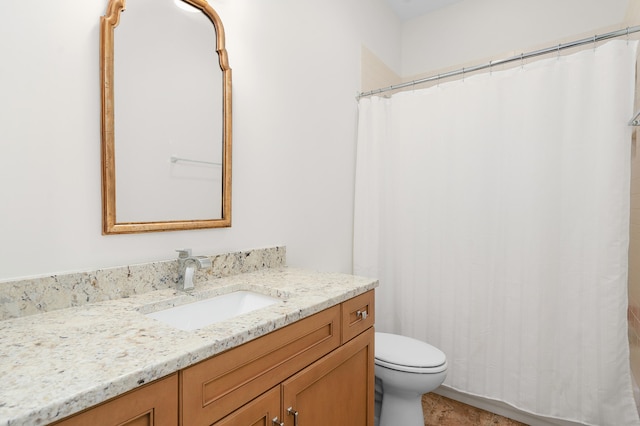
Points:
(407, 352)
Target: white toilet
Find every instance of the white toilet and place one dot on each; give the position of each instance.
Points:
(405, 368)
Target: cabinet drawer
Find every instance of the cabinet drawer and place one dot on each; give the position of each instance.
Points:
(155, 404)
(217, 386)
(358, 314)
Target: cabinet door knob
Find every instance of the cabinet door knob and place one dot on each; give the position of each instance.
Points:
(276, 421)
(362, 314)
(293, 413)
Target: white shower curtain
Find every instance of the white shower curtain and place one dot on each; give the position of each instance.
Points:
(495, 212)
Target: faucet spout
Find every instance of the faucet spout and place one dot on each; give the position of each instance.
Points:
(187, 267)
(189, 272)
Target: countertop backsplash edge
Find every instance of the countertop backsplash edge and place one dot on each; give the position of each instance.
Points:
(31, 296)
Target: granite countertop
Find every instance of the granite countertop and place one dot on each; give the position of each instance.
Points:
(58, 363)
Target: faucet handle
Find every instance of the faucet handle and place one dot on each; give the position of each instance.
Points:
(204, 262)
(184, 253)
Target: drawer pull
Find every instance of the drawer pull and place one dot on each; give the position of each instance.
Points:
(362, 314)
(276, 422)
(293, 413)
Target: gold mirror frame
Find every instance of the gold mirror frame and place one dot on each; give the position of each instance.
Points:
(109, 224)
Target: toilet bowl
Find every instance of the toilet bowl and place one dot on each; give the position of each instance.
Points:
(405, 369)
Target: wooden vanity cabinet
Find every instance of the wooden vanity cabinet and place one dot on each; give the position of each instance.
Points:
(320, 367)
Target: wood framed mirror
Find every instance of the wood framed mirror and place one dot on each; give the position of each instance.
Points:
(166, 117)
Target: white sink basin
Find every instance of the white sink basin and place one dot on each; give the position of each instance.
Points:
(202, 313)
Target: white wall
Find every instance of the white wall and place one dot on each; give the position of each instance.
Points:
(296, 68)
(474, 30)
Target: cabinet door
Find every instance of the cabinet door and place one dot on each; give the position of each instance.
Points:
(155, 404)
(336, 390)
(260, 412)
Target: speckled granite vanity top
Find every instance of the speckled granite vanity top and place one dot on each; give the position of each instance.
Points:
(57, 363)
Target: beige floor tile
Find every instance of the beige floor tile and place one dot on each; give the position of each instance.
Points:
(441, 411)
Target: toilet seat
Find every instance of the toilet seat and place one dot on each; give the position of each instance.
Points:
(404, 353)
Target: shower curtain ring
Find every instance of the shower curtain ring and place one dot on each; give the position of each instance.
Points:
(522, 61)
(627, 36)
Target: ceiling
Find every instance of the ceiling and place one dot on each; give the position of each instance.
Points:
(407, 9)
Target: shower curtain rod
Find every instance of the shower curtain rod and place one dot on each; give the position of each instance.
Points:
(521, 57)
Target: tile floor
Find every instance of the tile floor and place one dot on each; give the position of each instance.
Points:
(441, 411)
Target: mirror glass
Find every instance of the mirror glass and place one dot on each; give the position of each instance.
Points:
(166, 117)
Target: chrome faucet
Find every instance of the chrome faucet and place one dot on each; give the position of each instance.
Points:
(188, 265)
